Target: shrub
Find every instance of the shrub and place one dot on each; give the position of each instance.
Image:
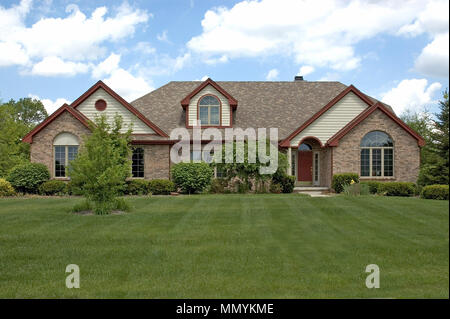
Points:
(339, 180)
(53, 187)
(161, 186)
(435, 192)
(287, 182)
(218, 185)
(105, 208)
(27, 178)
(137, 187)
(373, 186)
(6, 189)
(275, 188)
(356, 189)
(74, 189)
(397, 189)
(192, 177)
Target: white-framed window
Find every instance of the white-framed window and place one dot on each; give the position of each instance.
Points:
(65, 149)
(209, 110)
(377, 155)
(137, 163)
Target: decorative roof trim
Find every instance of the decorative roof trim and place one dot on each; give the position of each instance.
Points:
(336, 99)
(127, 105)
(231, 100)
(334, 140)
(78, 115)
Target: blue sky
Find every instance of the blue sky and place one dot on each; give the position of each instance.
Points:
(56, 49)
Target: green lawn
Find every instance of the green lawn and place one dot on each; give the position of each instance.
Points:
(227, 246)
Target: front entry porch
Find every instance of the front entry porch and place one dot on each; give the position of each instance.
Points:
(306, 163)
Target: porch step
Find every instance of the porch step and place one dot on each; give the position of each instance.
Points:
(313, 191)
(311, 188)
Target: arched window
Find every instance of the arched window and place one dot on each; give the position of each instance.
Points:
(65, 149)
(377, 155)
(137, 166)
(209, 110)
(305, 147)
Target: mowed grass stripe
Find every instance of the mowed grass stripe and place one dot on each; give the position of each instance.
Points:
(230, 246)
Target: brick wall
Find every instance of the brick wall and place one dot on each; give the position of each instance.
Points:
(346, 156)
(41, 150)
(156, 161)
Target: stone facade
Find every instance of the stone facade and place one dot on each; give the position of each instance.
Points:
(346, 156)
(42, 150)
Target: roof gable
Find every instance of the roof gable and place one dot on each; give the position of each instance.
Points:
(64, 108)
(329, 105)
(124, 103)
(187, 99)
(334, 140)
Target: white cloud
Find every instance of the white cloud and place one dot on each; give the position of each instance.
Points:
(54, 66)
(106, 67)
(433, 61)
(411, 94)
(145, 48)
(127, 85)
(50, 105)
(12, 54)
(75, 38)
(120, 80)
(212, 61)
(272, 75)
(305, 70)
(163, 37)
(434, 21)
(315, 33)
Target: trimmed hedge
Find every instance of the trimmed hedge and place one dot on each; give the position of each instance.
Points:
(6, 189)
(161, 187)
(342, 179)
(373, 186)
(53, 187)
(435, 192)
(137, 187)
(27, 178)
(192, 177)
(397, 189)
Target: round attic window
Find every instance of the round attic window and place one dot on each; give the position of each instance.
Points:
(100, 105)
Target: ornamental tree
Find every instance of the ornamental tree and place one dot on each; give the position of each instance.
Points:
(103, 164)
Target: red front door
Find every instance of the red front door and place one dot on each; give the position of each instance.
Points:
(305, 159)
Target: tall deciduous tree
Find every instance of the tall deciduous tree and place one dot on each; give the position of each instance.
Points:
(16, 119)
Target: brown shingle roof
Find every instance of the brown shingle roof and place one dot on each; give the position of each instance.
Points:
(285, 105)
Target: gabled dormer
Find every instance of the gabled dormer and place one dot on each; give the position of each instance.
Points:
(210, 104)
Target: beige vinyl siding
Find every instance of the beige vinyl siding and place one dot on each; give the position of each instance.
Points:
(333, 120)
(192, 115)
(113, 107)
